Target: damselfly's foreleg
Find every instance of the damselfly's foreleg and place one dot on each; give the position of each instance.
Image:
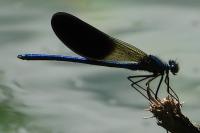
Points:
(170, 89)
(158, 88)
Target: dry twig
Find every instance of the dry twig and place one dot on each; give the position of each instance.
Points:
(168, 114)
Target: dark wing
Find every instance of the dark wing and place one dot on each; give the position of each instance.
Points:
(90, 42)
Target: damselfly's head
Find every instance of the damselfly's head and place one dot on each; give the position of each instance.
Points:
(173, 66)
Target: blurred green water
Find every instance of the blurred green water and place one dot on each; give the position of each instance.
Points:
(70, 98)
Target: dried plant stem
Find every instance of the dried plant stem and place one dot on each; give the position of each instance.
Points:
(169, 116)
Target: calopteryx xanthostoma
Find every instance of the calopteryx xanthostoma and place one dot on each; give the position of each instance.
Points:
(98, 48)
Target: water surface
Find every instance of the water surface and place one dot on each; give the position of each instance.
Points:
(54, 97)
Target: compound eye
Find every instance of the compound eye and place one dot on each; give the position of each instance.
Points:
(174, 68)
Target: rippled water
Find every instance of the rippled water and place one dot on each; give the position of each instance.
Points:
(47, 97)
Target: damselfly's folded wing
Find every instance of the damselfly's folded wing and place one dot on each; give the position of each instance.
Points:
(90, 42)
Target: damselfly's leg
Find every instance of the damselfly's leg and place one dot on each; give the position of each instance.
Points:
(160, 82)
(133, 85)
(148, 85)
(146, 92)
(169, 88)
(139, 88)
(130, 78)
(152, 99)
(150, 80)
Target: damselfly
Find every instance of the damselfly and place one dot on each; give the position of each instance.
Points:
(98, 48)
